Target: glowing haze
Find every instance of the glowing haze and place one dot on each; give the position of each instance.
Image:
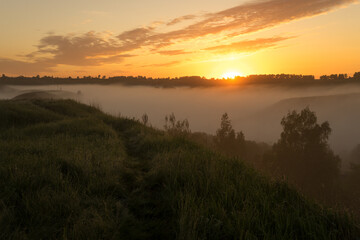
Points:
(161, 38)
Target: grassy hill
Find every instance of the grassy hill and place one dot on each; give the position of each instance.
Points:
(69, 171)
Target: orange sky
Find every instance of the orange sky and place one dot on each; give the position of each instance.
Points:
(161, 38)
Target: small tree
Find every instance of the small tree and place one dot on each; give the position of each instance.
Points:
(175, 127)
(356, 76)
(226, 131)
(145, 119)
(302, 154)
(227, 140)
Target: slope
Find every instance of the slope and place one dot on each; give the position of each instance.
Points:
(69, 171)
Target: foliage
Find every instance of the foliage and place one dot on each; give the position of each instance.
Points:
(227, 141)
(73, 172)
(303, 155)
(176, 127)
(186, 81)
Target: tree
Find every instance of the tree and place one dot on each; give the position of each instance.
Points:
(324, 77)
(227, 140)
(174, 127)
(356, 76)
(303, 155)
(145, 119)
(226, 131)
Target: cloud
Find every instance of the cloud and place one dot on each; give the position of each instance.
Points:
(181, 19)
(251, 17)
(168, 64)
(248, 45)
(96, 49)
(137, 34)
(134, 39)
(173, 52)
(26, 68)
(89, 49)
(243, 19)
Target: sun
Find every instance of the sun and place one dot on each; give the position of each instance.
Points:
(231, 75)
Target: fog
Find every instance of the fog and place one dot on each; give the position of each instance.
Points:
(256, 110)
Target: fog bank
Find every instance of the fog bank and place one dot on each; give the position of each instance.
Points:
(255, 110)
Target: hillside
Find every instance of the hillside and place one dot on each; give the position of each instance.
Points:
(69, 171)
(50, 94)
(342, 111)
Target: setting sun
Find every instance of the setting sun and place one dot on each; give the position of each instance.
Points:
(231, 75)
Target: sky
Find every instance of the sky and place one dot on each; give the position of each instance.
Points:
(162, 38)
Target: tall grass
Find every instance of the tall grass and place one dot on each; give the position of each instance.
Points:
(68, 171)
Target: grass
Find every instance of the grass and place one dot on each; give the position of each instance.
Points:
(69, 171)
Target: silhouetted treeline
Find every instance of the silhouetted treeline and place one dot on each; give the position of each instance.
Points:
(340, 77)
(187, 81)
(280, 77)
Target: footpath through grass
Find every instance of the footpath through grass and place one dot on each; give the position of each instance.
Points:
(69, 171)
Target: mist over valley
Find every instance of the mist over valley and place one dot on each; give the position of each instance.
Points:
(256, 110)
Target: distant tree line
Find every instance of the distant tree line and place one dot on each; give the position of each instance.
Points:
(340, 77)
(280, 77)
(186, 81)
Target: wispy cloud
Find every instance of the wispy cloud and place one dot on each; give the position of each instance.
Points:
(167, 64)
(181, 19)
(21, 67)
(248, 45)
(243, 19)
(174, 52)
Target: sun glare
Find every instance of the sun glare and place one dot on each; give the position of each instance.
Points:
(231, 75)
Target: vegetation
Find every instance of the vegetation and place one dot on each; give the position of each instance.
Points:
(68, 171)
(303, 155)
(227, 141)
(187, 81)
(176, 127)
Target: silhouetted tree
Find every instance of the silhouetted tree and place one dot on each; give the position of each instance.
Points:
(226, 131)
(227, 140)
(145, 119)
(356, 76)
(324, 77)
(303, 155)
(175, 127)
